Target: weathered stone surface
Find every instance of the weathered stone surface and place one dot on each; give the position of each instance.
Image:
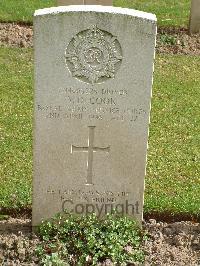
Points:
(194, 26)
(93, 78)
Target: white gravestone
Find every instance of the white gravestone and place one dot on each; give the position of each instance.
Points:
(93, 79)
(84, 2)
(194, 26)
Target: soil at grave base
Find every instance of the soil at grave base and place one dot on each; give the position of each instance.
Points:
(170, 40)
(173, 244)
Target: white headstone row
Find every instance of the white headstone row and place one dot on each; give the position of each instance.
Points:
(93, 79)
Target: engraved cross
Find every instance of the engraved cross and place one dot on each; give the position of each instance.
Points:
(90, 149)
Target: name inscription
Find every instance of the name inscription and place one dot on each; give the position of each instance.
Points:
(90, 104)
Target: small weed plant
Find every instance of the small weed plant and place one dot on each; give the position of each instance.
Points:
(168, 39)
(88, 240)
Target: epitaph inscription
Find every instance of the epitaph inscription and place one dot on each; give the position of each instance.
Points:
(90, 149)
(93, 55)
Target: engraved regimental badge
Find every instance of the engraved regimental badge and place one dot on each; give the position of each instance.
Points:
(93, 55)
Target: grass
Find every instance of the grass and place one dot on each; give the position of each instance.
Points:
(16, 127)
(169, 12)
(22, 10)
(172, 182)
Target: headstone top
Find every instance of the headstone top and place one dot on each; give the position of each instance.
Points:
(96, 8)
